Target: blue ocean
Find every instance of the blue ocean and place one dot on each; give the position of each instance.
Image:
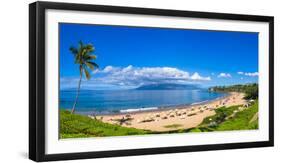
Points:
(116, 101)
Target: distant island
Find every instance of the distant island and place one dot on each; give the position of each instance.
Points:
(169, 86)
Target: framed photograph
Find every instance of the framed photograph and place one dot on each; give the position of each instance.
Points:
(109, 81)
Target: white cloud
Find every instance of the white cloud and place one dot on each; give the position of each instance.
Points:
(144, 75)
(251, 74)
(108, 69)
(240, 73)
(224, 75)
(196, 76)
(135, 76)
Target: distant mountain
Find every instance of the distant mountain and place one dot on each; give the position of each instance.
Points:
(169, 87)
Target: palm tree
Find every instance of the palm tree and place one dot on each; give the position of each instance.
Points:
(84, 58)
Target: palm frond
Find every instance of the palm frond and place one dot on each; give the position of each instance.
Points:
(73, 50)
(80, 49)
(91, 65)
(77, 59)
(89, 57)
(93, 56)
(87, 74)
(90, 48)
(94, 64)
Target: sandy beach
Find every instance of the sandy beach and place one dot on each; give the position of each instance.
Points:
(173, 118)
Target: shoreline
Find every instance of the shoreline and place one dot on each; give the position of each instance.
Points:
(172, 117)
(161, 108)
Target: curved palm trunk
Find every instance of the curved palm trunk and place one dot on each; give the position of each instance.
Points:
(78, 90)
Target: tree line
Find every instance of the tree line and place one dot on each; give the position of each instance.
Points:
(251, 90)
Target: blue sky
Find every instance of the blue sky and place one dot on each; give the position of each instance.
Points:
(132, 56)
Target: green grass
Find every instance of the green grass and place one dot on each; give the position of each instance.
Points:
(78, 126)
(243, 120)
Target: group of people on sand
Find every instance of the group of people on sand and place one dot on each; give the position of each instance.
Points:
(181, 113)
(164, 115)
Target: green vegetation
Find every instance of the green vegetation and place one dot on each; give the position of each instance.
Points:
(251, 90)
(230, 118)
(84, 58)
(173, 126)
(78, 126)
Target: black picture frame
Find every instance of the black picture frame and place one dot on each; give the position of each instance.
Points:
(37, 80)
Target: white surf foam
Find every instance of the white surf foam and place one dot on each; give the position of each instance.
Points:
(138, 109)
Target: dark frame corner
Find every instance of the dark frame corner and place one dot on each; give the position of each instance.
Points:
(37, 80)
